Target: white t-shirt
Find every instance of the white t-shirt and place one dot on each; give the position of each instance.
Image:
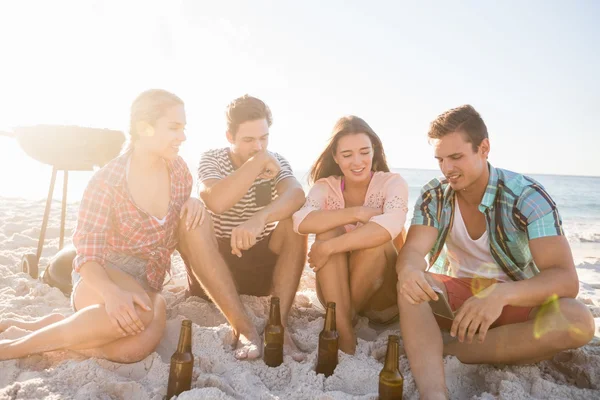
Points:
(470, 258)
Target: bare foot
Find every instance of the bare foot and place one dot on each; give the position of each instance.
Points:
(290, 348)
(379, 352)
(248, 348)
(5, 324)
(13, 333)
(3, 350)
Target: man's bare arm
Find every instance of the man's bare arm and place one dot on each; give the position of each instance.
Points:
(557, 276)
(290, 197)
(220, 195)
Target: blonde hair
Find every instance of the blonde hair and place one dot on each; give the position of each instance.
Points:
(149, 106)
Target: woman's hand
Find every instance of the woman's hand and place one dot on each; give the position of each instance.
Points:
(120, 308)
(195, 210)
(319, 254)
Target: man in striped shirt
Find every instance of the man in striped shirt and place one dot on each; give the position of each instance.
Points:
(501, 270)
(248, 246)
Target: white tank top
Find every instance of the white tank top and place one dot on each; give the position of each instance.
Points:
(470, 258)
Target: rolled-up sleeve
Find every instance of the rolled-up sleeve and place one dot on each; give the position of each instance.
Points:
(427, 205)
(395, 206)
(93, 224)
(540, 213)
(316, 200)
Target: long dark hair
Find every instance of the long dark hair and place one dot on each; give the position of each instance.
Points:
(326, 166)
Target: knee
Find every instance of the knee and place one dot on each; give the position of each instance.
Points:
(335, 232)
(580, 323)
(288, 229)
(158, 307)
(371, 251)
(203, 233)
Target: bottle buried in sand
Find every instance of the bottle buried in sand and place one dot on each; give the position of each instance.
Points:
(327, 358)
(390, 378)
(273, 351)
(182, 362)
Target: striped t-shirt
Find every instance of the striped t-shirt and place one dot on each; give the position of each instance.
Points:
(216, 164)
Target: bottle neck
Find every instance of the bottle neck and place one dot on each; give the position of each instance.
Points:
(275, 314)
(391, 356)
(330, 319)
(185, 339)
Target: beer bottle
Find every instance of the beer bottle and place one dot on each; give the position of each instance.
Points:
(273, 350)
(390, 378)
(182, 362)
(327, 356)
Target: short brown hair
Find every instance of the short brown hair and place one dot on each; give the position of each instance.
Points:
(244, 109)
(326, 166)
(464, 119)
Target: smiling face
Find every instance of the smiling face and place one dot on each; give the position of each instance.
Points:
(251, 137)
(459, 162)
(164, 137)
(354, 156)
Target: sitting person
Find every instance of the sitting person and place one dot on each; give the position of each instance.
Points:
(356, 208)
(507, 271)
(248, 246)
(126, 232)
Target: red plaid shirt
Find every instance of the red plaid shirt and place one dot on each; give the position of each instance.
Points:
(109, 220)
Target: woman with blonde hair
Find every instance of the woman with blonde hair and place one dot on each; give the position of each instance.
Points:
(126, 231)
(357, 209)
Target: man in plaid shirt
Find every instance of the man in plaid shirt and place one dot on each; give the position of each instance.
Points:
(501, 278)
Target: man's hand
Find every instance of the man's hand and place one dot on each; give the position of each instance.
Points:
(319, 254)
(478, 312)
(364, 214)
(270, 165)
(413, 285)
(194, 208)
(244, 235)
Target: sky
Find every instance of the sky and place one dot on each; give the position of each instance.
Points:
(530, 68)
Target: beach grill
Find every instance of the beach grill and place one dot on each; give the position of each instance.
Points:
(65, 148)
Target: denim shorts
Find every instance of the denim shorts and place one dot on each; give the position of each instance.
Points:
(132, 266)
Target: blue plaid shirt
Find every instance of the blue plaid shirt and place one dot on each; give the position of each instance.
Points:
(516, 208)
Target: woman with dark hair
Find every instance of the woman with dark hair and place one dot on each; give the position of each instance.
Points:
(357, 209)
(126, 231)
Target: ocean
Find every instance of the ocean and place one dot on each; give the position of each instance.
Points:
(577, 197)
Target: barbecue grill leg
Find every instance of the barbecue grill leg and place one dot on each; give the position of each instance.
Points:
(46, 214)
(64, 210)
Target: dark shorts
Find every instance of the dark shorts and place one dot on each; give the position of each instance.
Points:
(252, 273)
(461, 289)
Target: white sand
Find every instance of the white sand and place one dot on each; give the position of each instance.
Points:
(217, 375)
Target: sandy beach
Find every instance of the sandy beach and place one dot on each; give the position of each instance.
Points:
(217, 375)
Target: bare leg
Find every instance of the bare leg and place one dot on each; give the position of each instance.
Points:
(424, 348)
(30, 325)
(201, 250)
(567, 324)
(75, 332)
(373, 278)
(291, 250)
(333, 284)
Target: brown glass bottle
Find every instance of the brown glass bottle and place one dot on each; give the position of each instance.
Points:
(390, 378)
(273, 351)
(327, 356)
(182, 362)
